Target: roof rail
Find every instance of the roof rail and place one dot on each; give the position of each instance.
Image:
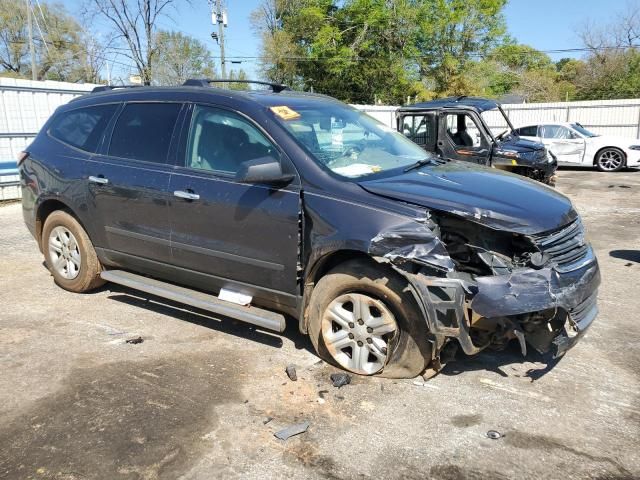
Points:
(205, 82)
(106, 88)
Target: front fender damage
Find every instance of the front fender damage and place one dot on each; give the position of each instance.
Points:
(543, 307)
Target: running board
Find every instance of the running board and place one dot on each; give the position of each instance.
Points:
(256, 316)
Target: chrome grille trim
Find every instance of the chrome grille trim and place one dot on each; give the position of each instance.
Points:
(565, 247)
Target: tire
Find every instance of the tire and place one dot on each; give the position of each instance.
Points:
(610, 160)
(400, 350)
(69, 253)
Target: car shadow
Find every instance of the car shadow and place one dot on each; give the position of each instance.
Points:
(206, 319)
(570, 168)
(497, 361)
(629, 255)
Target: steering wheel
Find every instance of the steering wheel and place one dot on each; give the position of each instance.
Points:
(352, 149)
(501, 135)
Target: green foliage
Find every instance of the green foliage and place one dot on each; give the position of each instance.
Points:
(61, 47)
(611, 74)
(180, 57)
(451, 34)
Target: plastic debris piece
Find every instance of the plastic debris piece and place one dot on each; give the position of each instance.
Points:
(292, 430)
(134, 341)
(340, 379)
(494, 435)
(291, 373)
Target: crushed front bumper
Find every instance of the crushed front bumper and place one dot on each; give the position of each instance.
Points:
(569, 299)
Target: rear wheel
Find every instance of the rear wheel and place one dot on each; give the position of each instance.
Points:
(610, 160)
(69, 253)
(363, 318)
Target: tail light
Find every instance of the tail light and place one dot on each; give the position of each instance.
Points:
(22, 156)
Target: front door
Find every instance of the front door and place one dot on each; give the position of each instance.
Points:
(241, 235)
(460, 137)
(567, 146)
(129, 181)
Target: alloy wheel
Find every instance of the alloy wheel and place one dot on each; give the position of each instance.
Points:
(356, 330)
(610, 160)
(64, 253)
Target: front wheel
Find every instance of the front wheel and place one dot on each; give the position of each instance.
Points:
(610, 160)
(364, 319)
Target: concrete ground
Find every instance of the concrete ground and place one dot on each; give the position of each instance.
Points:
(201, 397)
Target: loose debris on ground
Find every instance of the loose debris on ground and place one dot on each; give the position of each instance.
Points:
(292, 430)
(134, 341)
(291, 373)
(340, 379)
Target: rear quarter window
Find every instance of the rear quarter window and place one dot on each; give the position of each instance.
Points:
(527, 131)
(82, 128)
(143, 131)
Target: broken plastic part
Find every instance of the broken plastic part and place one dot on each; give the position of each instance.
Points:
(412, 242)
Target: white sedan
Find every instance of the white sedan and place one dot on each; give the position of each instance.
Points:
(572, 144)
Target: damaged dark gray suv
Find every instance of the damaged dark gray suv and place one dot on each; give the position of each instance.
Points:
(260, 204)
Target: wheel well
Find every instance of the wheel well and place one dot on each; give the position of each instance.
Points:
(46, 209)
(595, 157)
(323, 266)
(332, 260)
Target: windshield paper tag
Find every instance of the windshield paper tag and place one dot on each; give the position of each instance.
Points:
(285, 113)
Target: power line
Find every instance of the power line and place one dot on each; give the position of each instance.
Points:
(419, 57)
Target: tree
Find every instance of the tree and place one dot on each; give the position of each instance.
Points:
(135, 23)
(60, 44)
(180, 57)
(356, 50)
(612, 67)
(454, 33)
(238, 75)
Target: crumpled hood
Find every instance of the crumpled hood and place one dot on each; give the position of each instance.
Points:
(487, 196)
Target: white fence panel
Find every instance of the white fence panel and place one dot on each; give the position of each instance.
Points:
(25, 106)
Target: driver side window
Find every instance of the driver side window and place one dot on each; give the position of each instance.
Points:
(463, 131)
(219, 141)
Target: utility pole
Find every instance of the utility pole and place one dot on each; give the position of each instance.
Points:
(32, 48)
(218, 16)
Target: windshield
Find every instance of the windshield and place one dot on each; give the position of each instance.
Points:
(579, 128)
(347, 141)
(497, 121)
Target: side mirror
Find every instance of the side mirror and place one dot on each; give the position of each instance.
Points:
(265, 170)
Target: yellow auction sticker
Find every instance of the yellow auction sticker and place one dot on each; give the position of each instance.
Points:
(285, 113)
(513, 162)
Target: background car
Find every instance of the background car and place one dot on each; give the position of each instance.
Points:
(572, 144)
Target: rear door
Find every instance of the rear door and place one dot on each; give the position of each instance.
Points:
(245, 234)
(566, 145)
(129, 181)
(420, 128)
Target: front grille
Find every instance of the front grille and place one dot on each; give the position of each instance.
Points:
(564, 246)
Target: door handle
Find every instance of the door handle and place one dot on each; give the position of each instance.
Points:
(99, 180)
(186, 195)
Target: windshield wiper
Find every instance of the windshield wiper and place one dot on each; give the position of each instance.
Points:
(421, 163)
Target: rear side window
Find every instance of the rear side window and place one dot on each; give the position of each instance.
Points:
(419, 129)
(83, 127)
(527, 131)
(143, 131)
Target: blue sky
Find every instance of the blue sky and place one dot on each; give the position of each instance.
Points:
(543, 24)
